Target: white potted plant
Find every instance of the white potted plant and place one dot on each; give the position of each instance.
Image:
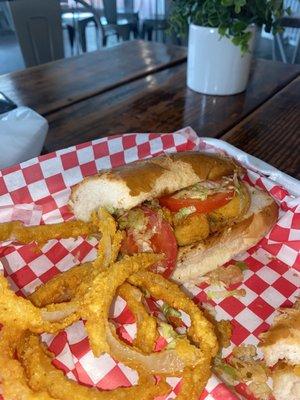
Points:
(221, 39)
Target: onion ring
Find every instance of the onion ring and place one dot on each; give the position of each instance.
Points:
(109, 244)
(91, 289)
(42, 233)
(100, 292)
(17, 312)
(12, 376)
(201, 331)
(61, 287)
(22, 313)
(147, 333)
(42, 375)
(64, 286)
(194, 381)
(165, 362)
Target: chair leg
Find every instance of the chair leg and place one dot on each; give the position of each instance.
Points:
(281, 49)
(124, 32)
(273, 49)
(135, 31)
(104, 40)
(150, 34)
(82, 36)
(296, 49)
(126, 35)
(97, 35)
(71, 34)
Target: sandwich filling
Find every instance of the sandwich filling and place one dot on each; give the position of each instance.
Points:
(183, 218)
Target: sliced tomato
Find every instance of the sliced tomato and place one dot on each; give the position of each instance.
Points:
(128, 245)
(162, 241)
(202, 206)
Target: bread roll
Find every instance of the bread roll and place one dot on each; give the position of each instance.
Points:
(286, 382)
(281, 346)
(282, 341)
(130, 185)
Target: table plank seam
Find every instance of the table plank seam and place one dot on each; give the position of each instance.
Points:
(116, 85)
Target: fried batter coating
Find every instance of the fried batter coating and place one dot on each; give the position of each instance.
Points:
(100, 292)
(231, 212)
(17, 312)
(42, 233)
(61, 287)
(110, 242)
(223, 328)
(224, 332)
(147, 332)
(42, 375)
(194, 381)
(191, 229)
(13, 381)
(201, 331)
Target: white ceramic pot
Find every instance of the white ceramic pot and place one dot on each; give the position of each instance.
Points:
(215, 65)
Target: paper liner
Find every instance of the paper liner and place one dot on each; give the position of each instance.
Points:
(37, 191)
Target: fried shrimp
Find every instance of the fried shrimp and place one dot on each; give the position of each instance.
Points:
(147, 332)
(42, 375)
(232, 211)
(40, 234)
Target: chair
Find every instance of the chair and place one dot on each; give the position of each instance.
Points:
(107, 29)
(39, 31)
(287, 22)
(96, 18)
(122, 23)
(157, 23)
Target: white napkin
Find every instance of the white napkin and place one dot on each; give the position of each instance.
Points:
(22, 135)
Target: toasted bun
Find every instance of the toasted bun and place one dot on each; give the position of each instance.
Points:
(286, 383)
(196, 260)
(282, 341)
(130, 185)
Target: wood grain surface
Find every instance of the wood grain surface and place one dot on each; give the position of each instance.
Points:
(161, 102)
(272, 132)
(54, 85)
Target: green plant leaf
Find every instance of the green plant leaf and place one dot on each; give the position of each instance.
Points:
(231, 17)
(238, 4)
(227, 3)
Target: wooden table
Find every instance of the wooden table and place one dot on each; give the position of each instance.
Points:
(272, 132)
(141, 86)
(58, 84)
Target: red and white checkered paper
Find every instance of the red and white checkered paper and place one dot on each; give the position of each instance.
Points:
(37, 191)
